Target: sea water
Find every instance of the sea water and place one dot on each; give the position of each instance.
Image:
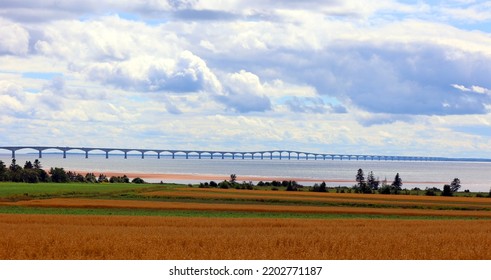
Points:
(475, 176)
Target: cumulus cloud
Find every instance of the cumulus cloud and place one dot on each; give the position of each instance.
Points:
(187, 73)
(14, 38)
(244, 92)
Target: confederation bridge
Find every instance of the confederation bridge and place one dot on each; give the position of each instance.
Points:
(274, 154)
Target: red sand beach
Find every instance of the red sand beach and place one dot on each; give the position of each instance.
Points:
(193, 178)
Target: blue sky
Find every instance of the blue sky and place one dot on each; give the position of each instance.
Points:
(374, 77)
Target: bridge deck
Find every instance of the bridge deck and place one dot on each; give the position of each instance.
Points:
(273, 154)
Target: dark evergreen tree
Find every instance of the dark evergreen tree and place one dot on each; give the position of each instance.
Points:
(397, 184)
(360, 177)
(28, 165)
(15, 172)
(3, 172)
(372, 182)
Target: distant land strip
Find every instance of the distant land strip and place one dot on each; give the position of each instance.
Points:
(211, 154)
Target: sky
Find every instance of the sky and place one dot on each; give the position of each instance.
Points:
(354, 77)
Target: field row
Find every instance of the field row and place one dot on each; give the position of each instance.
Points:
(169, 205)
(324, 198)
(124, 237)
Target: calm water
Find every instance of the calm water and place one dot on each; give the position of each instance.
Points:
(473, 175)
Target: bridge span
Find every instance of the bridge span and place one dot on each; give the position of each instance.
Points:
(273, 154)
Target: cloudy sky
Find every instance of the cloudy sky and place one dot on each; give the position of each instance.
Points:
(368, 77)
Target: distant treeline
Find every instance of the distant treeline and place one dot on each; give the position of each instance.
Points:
(368, 185)
(32, 172)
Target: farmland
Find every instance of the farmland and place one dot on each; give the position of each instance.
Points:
(128, 221)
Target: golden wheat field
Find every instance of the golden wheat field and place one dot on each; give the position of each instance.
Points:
(331, 225)
(124, 237)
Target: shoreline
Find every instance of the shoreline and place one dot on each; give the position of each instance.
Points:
(197, 178)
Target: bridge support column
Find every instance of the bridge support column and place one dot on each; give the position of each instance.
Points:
(158, 155)
(40, 154)
(173, 156)
(143, 155)
(199, 155)
(125, 155)
(262, 155)
(107, 154)
(13, 153)
(86, 154)
(187, 155)
(64, 154)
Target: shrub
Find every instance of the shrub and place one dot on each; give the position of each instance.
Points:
(138, 180)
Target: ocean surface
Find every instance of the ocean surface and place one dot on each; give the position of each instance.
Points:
(475, 176)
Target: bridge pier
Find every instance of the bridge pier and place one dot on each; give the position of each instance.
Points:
(40, 154)
(13, 153)
(107, 154)
(64, 153)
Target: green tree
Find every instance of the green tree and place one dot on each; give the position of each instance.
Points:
(233, 178)
(320, 188)
(3, 172)
(58, 175)
(90, 178)
(455, 185)
(447, 190)
(30, 175)
(37, 164)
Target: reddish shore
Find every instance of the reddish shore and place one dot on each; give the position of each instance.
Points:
(192, 178)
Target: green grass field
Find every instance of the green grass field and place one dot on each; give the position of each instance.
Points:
(48, 190)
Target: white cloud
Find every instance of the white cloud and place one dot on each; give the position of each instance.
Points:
(14, 38)
(246, 74)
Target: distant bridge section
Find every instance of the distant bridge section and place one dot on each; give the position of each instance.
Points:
(274, 154)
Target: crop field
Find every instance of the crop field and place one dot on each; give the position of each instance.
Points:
(128, 221)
